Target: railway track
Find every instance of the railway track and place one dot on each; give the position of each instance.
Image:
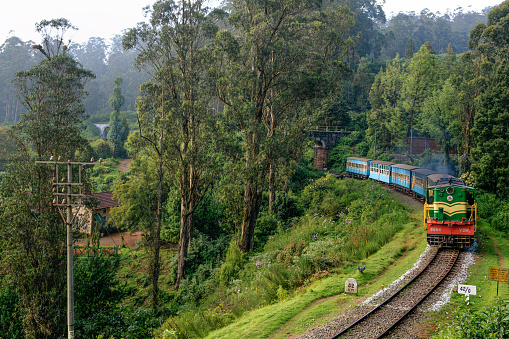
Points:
(387, 315)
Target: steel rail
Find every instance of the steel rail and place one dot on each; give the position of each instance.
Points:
(394, 324)
(386, 301)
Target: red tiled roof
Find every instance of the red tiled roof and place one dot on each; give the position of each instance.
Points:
(106, 200)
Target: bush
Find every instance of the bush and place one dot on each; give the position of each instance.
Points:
(194, 323)
(302, 176)
(95, 283)
(266, 226)
(103, 150)
(337, 158)
(494, 209)
(233, 264)
(490, 322)
(362, 149)
(285, 207)
(119, 322)
(11, 325)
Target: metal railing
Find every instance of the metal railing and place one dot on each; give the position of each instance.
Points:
(336, 129)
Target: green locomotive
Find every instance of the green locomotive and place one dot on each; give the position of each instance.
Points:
(450, 212)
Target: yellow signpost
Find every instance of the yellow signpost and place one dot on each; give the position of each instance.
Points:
(498, 274)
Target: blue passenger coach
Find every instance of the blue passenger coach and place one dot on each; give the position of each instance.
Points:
(420, 181)
(380, 170)
(358, 167)
(401, 176)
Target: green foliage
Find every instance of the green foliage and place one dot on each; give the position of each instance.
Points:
(104, 175)
(119, 322)
(103, 150)
(491, 154)
(337, 158)
(266, 225)
(10, 322)
(31, 238)
(209, 216)
(285, 207)
(489, 322)
(233, 263)
(136, 194)
(171, 218)
(52, 93)
(117, 133)
(7, 147)
(95, 284)
(362, 149)
(194, 324)
(302, 175)
(205, 252)
(494, 210)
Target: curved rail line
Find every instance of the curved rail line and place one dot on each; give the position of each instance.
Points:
(387, 315)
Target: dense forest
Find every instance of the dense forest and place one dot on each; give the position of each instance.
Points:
(376, 39)
(213, 106)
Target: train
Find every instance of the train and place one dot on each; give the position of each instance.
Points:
(450, 208)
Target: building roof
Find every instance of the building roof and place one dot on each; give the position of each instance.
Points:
(105, 199)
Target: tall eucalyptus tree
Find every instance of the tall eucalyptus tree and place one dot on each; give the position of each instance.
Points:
(32, 232)
(173, 49)
(279, 58)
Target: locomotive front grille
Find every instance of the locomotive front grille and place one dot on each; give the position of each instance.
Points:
(454, 241)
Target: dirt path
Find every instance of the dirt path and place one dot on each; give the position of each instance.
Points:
(124, 164)
(499, 254)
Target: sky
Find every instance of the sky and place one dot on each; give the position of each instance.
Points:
(106, 18)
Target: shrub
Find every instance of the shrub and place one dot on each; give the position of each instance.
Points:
(103, 150)
(95, 283)
(303, 175)
(362, 149)
(11, 325)
(194, 323)
(337, 158)
(490, 322)
(266, 226)
(285, 207)
(119, 322)
(233, 264)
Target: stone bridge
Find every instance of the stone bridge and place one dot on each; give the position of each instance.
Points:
(326, 137)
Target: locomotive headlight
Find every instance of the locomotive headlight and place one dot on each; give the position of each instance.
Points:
(450, 190)
(449, 198)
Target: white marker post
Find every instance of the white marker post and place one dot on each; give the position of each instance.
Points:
(467, 290)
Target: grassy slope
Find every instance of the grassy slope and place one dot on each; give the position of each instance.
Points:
(489, 241)
(314, 305)
(324, 298)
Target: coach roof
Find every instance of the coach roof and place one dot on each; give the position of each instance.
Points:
(361, 159)
(404, 166)
(380, 162)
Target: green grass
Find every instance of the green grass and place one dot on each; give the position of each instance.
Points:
(296, 314)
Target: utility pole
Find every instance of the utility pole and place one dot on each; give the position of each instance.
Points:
(69, 200)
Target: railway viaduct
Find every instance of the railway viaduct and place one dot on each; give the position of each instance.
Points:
(326, 137)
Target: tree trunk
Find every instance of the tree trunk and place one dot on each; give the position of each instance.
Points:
(187, 206)
(272, 186)
(156, 243)
(186, 222)
(251, 209)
